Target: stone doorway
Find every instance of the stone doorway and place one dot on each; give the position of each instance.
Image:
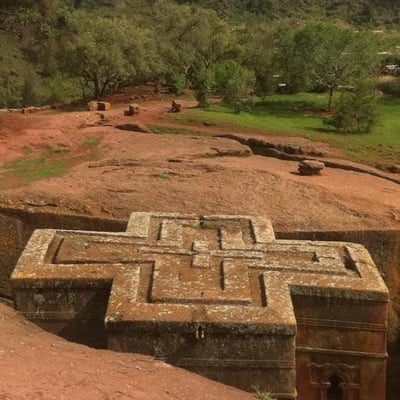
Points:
(335, 392)
(334, 382)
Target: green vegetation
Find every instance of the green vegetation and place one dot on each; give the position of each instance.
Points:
(356, 111)
(52, 162)
(351, 11)
(162, 176)
(34, 169)
(167, 130)
(302, 115)
(263, 394)
(61, 50)
(280, 114)
(90, 142)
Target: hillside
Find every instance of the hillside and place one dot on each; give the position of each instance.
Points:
(63, 51)
(352, 11)
(370, 12)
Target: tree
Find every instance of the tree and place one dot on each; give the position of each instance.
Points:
(13, 70)
(108, 52)
(232, 81)
(39, 28)
(192, 39)
(287, 60)
(258, 49)
(204, 85)
(330, 56)
(177, 83)
(356, 111)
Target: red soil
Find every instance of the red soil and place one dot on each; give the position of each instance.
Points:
(113, 172)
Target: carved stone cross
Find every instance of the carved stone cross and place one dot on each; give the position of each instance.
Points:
(216, 294)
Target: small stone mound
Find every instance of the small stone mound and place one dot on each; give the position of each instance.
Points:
(31, 110)
(176, 106)
(395, 169)
(137, 127)
(310, 167)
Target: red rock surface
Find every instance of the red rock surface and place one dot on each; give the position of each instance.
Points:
(37, 365)
(127, 171)
(121, 172)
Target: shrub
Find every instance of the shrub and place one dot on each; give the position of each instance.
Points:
(232, 81)
(355, 112)
(177, 84)
(263, 395)
(204, 83)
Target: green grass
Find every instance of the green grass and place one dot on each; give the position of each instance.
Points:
(168, 130)
(27, 150)
(277, 114)
(162, 176)
(34, 169)
(90, 142)
(298, 115)
(61, 149)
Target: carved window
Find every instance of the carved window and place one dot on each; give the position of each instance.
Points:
(335, 381)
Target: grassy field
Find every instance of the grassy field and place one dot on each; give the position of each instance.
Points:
(302, 115)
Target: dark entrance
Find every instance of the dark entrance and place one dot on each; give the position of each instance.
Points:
(335, 392)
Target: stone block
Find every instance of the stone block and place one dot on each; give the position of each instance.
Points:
(92, 106)
(310, 167)
(103, 106)
(98, 105)
(133, 109)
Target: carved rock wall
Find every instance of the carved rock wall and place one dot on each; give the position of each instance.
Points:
(384, 247)
(220, 296)
(16, 226)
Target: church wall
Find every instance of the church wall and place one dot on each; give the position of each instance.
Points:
(16, 226)
(344, 338)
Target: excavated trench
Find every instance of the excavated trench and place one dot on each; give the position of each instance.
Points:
(297, 153)
(16, 227)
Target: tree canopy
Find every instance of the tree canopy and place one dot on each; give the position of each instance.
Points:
(61, 49)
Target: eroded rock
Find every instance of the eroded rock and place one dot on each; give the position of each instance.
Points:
(310, 167)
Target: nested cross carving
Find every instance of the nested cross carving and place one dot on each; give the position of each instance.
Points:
(172, 267)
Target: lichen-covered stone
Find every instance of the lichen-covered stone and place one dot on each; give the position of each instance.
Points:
(218, 295)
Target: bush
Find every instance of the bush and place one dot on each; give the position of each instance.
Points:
(177, 84)
(263, 395)
(204, 83)
(355, 112)
(232, 81)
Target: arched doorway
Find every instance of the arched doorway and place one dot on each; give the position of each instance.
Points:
(335, 392)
